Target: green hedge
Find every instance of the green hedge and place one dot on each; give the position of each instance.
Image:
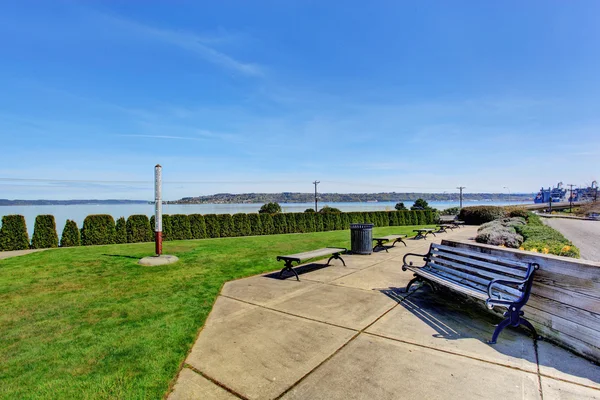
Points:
(241, 225)
(70, 235)
(255, 222)
(121, 231)
(226, 225)
(138, 229)
(180, 227)
(481, 214)
(197, 226)
(280, 224)
(213, 229)
(166, 227)
(268, 227)
(44, 233)
(98, 229)
(13, 234)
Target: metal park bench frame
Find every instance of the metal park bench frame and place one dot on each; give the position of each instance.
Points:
(334, 252)
(495, 280)
(385, 239)
(443, 228)
(420, 234)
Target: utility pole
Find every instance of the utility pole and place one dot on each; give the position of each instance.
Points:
(507, 188)
(461, 189)
(316, 183)
(570, 185)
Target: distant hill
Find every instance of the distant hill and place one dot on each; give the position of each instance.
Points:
(288, 197)
(5, 202)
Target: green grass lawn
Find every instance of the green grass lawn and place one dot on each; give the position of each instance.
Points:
(89, 322)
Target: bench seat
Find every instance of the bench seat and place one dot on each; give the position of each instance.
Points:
(384, 239)
(333, 252)
(494, 280)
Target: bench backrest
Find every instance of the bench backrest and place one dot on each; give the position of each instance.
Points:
(477, 270)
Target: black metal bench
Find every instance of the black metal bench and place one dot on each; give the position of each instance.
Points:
(334, 252)
(422, 233)
(385, 239)
(443, 228)
(497, 281)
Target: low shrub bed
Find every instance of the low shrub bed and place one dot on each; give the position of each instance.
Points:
(544, 239)
(501, 232)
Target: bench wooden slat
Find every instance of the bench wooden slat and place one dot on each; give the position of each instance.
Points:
(481, 267)
(389, 237)
(480, 283)
(452, 285)
(313, 254)
(483, 256)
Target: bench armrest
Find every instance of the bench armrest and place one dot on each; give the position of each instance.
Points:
(524, 294)
(410, 264)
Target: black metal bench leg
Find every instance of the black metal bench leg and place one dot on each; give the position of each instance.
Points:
(336, 257)
(399, 240)
(499, 329)
(527, 324)
(288, 267)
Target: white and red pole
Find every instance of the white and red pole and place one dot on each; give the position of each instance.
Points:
(158, 208)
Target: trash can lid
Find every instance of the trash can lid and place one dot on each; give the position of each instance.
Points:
(361, 226)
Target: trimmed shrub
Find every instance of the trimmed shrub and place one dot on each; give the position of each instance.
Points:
(500, 236)
(13, 234)
(98, 229)
(451, 211)
(138, 229)
(309, 210)
(300, 222)
(225, 225)
(71, 236)
(180, 227)
(318, 222)
(268, 226)
(355, 217)
(309, 220)
(241, 225)
(290, 220)
(518, 212)
(197, 226)
(121, 231)
(270, 208)
(344, 221)
(279, 223)
(44, 232)
(383, 219)
(256, 227)
(213, 228)
(481, 214)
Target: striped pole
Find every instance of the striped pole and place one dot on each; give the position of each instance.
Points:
(158, 208)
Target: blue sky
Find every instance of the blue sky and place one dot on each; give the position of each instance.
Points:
(253, 96)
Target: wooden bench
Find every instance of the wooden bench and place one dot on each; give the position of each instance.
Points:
(334, 252)
(443, 228)
(422, 233)
(385, 239)
(495, 280)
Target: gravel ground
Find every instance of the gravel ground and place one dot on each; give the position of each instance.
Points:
(583, 234)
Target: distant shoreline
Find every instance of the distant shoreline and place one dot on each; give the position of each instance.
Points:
(5, 202)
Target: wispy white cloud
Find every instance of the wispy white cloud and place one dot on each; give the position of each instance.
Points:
(164, 137)
(202, 46)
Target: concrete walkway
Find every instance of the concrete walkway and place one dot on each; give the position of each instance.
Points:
(352, 333)
(15, 253)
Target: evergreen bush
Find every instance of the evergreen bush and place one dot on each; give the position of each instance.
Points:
(138, 229)
(290, 220)
(71, 236)
(13, 234)
(300, 222)
(241, 225)
(268, 226)
(44, 232)
(279, 223)
(213, 228)
(309, 210)
(180, 227)
(121, 231)
(309, 222)
(197, 226)
(270, 208)
(256, 227)
(225, 225)
(481, 214)
(318, 222)
(98, 229)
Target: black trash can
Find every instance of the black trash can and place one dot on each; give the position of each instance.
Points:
(361, 238)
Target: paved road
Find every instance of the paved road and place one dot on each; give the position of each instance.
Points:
(583, 234)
